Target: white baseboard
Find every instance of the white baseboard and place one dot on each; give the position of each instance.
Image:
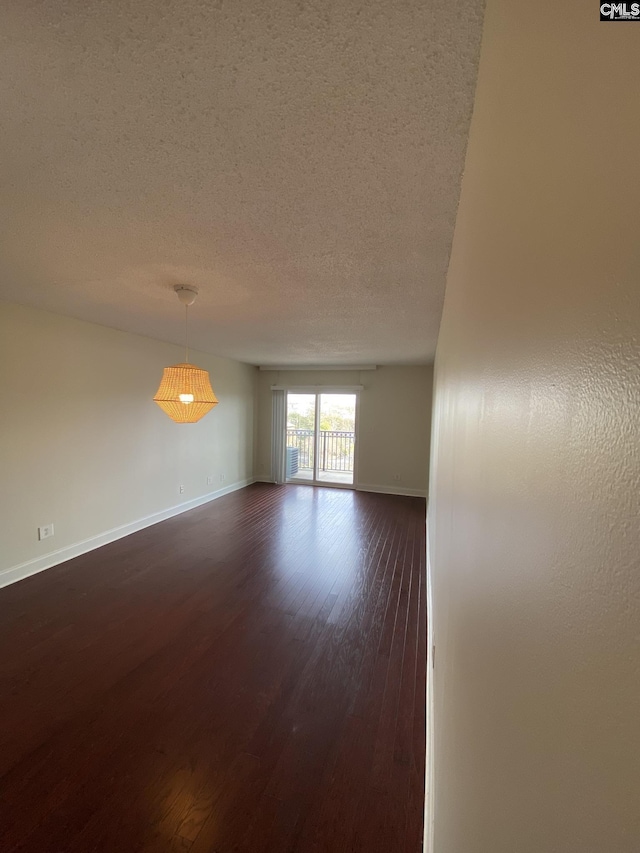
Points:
(54, 558)
(393, 490)
(382, 490)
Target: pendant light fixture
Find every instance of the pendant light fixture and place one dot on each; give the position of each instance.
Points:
(185, 392)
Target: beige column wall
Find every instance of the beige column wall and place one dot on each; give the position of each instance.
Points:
(535, 482)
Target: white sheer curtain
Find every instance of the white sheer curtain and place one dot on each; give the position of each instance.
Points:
(278, 438)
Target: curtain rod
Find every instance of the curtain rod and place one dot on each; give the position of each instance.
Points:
(319, 389)
(327, 367)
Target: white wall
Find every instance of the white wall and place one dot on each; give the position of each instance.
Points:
(394, 416)
(83, 445)
(535, 492)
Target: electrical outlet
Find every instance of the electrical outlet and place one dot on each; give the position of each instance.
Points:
(181, 489)
(223, 477)
(397, 478)
(209, 481)
(45, 532)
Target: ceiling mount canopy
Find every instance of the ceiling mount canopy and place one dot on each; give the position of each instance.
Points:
(185, 392)
(186, 293)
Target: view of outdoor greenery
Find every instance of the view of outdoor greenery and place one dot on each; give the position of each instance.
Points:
(337, 412)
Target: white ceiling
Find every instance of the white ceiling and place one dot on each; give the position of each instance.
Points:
(298, 160)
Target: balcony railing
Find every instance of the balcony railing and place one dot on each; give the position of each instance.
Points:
(335, 449)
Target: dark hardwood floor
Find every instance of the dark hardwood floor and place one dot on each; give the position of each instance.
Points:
(248, 676)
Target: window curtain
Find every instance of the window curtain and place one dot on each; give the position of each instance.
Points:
(278, 438)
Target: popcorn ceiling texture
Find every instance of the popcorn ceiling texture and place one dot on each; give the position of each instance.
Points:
(299, 161)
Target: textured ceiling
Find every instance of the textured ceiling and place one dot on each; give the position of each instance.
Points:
(299, 161)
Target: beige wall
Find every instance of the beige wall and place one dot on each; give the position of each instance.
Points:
(395, 414)
(535, 511)
(83, 445)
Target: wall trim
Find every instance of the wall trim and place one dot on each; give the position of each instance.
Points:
(429, 776)
(319, 389)
(54, 558)
(283, 368)
(392, 490)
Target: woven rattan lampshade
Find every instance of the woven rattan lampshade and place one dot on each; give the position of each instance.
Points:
(185, 393)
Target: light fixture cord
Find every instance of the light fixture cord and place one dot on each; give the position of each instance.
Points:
(186, 333)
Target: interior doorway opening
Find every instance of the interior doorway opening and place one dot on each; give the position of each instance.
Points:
(320, 438)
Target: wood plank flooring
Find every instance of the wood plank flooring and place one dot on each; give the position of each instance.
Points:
(248, 676)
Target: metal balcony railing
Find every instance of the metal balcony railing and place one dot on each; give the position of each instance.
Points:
(335, 449)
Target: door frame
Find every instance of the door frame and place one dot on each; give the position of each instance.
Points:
(318, 390)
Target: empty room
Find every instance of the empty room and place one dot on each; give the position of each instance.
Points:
(319, 395)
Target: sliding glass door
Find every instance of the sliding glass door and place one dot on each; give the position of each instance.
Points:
(336, 438)
(301, 436)
(320, 438)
